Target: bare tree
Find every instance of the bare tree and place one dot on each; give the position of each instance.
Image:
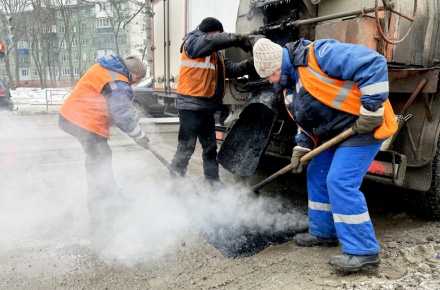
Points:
(13, 8)
(120, 18)
(40, 23)
(66, 10)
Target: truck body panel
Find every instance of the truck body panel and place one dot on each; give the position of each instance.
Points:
(409, 40)
(172, 20)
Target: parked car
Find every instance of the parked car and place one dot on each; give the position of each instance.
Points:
(148, 103)
(5, 97)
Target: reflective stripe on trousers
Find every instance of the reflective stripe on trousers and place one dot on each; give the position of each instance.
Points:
(336, 205)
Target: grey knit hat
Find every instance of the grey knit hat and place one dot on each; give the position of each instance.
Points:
(135, 65)
(268, 57)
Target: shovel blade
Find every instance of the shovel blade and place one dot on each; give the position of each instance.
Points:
(248, 138)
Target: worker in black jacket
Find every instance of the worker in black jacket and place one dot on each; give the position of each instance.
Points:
(200, 91)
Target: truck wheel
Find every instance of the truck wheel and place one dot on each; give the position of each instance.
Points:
(138, 111)
(426, 204)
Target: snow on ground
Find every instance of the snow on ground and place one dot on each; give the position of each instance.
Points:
(41, 101)
(49, 99)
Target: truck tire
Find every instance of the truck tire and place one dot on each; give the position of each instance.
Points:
(138, 111)
(426, 204)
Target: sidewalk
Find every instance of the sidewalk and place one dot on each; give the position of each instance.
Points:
(32, 101)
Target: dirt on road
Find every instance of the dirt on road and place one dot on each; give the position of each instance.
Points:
(160, 242)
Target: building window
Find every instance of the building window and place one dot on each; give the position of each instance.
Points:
(82, 12)
(24, 72)
(23, 58)
(74, 43)
(75, 57)
(59, 15)
(64, 58)
(73, 29)
(83, 27)
(121, 39)
(65, 72)
(102, 22)
(83, 42)
(61, 28)
(34, 72)
(84, 58)
(63, 44)
(22, 44)
(76, 71)
(106, 6)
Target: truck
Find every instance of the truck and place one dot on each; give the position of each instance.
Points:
(405, 32)
(168, 21)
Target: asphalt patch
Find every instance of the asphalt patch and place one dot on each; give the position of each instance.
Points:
(239, 241)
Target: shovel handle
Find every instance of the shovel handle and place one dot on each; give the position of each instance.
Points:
(318, 150)
(158, 156)
(330, 143)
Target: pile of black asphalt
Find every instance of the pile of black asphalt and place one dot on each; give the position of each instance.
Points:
(237, 240)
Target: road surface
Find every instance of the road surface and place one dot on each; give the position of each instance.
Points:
(45, 240)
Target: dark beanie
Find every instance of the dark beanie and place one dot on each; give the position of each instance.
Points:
(210, 24)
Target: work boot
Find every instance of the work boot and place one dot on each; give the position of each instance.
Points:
(213, 184)
(354, 263)
(308, 240)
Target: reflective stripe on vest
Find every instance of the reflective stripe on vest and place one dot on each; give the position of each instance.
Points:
(343, 95)
(197, 77)
(85, 106)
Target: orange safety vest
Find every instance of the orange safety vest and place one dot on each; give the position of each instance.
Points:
(197, 77)
(85, 106)
(341, 95)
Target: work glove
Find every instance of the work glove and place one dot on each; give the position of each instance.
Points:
(297, 153)
(368, 121)
(243, 42)
(142, 140)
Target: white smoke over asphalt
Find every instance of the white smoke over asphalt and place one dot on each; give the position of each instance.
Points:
(158, 223)
(162, 216)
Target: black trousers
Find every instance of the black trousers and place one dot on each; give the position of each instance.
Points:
(193, 125)
(98, 163)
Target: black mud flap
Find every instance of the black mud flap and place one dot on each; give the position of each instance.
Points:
(246, 141)
(388, 167)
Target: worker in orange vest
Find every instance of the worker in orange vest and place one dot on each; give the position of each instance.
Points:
(103, 96)
(202, 83)
(328, 87)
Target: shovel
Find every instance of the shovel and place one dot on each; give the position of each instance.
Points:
(335, 140)
(160, 157)
(170, 169)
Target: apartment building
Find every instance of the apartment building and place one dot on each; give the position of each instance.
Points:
(59, 45)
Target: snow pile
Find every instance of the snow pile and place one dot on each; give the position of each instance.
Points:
(32, 98)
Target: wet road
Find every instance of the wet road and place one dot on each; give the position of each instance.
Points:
(45, 241)
(44, 219)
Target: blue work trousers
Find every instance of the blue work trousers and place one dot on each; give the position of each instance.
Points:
(337, 208)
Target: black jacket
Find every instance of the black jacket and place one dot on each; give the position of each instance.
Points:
(201, 44)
